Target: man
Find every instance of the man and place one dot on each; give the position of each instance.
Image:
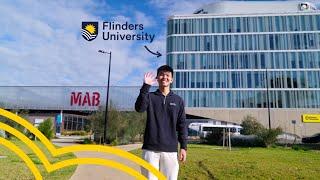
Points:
(165, 117)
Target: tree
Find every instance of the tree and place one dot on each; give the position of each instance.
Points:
(250, 126)
(122, 127)
(136, 125)
(46, 127)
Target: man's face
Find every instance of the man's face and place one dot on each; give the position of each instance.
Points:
(164, 78)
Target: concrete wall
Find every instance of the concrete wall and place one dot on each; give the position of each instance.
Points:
(279, 117)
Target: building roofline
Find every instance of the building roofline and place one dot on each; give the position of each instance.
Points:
(201, 16)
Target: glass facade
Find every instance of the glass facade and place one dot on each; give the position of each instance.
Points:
(73, 122)
(225, 62)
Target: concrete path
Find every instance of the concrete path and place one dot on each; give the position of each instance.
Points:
(96, 172)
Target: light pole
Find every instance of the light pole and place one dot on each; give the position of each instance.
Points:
(268, 104)
(107, 100)
(294, 130)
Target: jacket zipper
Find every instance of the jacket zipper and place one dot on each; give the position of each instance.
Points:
(164, 101)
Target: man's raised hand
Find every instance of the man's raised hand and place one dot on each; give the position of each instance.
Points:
(149, 78)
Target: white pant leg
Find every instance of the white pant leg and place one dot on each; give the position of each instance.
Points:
(169, 165)
(153, 158)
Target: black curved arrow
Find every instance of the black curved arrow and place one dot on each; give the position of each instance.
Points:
(157, 53)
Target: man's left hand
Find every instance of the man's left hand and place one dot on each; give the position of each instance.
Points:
(183, 155)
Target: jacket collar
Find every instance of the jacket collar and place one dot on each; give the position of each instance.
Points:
(158, 92)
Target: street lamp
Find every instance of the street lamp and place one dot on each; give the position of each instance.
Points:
(107, 100)
(268, 104)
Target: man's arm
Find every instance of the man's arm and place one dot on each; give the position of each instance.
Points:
(142, 101)
(182, 132)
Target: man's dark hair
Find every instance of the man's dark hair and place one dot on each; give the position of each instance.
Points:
(165, 68)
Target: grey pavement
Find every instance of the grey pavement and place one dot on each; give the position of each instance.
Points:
(96, 172)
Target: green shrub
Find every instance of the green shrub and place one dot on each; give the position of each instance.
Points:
(114, 142)
(246, 141)
(46, 127)
(74, 133)
(300, 148)
(87, 141)
(214, 138)
(250, 126)
(124, 127)
(269, 136)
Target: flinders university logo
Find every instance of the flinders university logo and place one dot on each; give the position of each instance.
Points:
(89, 30)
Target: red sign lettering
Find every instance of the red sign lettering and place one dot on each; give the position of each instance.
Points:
(87, 100)
(96, 99)
(75, 99)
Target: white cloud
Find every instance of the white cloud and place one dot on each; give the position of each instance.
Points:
(141, 18)
(41, 44)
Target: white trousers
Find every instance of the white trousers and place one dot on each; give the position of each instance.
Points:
(166, 162)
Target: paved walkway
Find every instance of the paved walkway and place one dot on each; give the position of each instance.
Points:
(96, 172)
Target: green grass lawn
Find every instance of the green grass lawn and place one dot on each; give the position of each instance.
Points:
(209, 162)
(12, 167)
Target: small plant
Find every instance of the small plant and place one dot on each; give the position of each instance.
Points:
(87, 141)
(114, 142)
(269, 136)
(46, 127)
(300, 148)
(74, 133)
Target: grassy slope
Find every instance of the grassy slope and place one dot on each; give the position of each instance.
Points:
(13, 167)
(208, 162)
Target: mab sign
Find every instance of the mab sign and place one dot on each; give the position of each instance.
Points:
(85, 99)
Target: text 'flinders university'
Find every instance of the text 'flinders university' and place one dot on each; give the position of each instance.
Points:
(125, 32)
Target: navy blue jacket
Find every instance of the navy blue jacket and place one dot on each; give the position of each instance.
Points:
(166, 120)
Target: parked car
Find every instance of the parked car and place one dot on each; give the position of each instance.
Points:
(312, 139)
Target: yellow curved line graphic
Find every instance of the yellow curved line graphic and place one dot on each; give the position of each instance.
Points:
(23, 156)
(97, 161)
(28, 142)
(76, 148)
(52, 167)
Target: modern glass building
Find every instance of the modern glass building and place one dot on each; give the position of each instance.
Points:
(262, 54)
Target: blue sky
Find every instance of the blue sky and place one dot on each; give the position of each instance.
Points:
(41, 43)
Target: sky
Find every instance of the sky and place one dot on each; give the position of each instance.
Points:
(41, 42)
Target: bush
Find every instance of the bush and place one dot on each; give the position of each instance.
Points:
(114, 142)
(247, 141)
(46, 127)
(250, 126)
(269, 136)
(74, 133)
(215, 137)
(122, 127)
(87, 141)
(300, 148)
